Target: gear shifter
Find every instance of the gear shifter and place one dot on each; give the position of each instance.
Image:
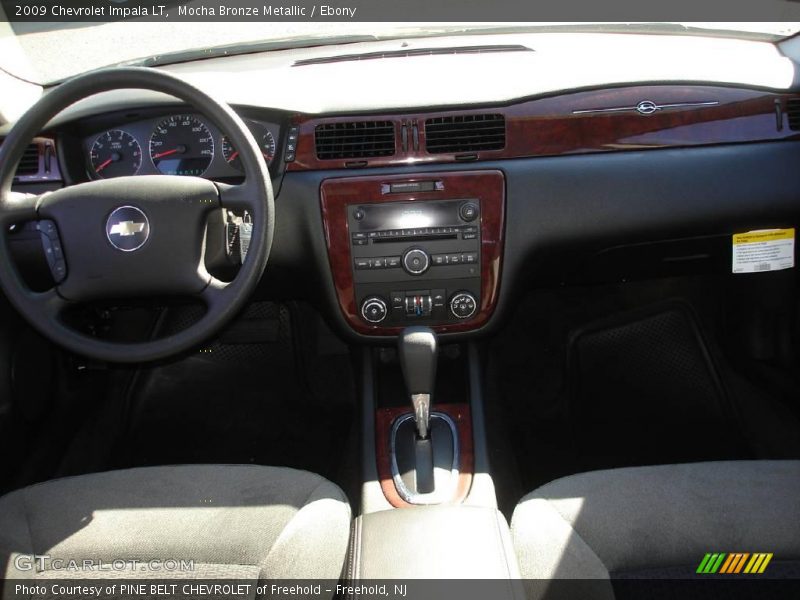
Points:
(418, 353)
(424, 445)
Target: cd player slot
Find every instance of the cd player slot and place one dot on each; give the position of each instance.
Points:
(415, 238)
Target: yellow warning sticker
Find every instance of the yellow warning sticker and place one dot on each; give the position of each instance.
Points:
(763, 250)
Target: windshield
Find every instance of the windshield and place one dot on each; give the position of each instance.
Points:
(46, 52)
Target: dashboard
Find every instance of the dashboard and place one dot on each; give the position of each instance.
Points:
(434, 204)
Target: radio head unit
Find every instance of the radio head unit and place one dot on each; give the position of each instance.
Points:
(415, 249)
(416, 261)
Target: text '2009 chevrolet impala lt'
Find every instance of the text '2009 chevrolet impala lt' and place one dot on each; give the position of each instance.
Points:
(308, 309)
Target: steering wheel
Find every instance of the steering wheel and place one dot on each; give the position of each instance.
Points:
(134, 236)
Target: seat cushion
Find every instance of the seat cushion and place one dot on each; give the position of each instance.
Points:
(614, 523)
(242, 522)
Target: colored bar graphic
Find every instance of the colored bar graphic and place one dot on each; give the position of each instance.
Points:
(741, 562)
(727, 564)
(703, 563)
(756, 558)
(711, 562)
(734, 563)
(765, 563)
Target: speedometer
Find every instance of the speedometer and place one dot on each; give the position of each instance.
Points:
(181, 145)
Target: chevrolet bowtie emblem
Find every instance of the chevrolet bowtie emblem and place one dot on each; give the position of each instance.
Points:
(126, 228)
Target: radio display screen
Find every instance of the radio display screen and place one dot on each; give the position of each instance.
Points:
(407, 215)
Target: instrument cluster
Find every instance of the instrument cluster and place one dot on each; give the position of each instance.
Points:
(178, 144)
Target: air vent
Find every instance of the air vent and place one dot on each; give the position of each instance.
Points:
(793, 112)
(29, 164)
(413, 52)
(465, 133)
(358, 139)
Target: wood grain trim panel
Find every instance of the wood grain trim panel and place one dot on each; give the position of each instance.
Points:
(460, 413)
(550, 127)
(337, 194)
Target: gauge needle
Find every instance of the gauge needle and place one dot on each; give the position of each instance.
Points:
(165, 153)
(233, 156)
(104, 165)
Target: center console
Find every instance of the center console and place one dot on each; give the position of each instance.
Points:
(437, 543)
(415, 250)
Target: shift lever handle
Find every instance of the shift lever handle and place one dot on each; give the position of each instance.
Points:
(418, 351)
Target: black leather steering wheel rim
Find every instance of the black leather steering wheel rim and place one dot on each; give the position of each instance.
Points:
(223, 300)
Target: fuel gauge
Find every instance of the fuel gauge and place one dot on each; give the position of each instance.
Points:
(266, 143)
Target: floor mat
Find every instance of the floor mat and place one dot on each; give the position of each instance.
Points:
(569, 389)
(643, 388)
(251, 396)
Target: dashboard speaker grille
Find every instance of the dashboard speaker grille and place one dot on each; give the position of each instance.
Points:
(793, 112)
(29, 163)
(465, 133)
(356, 139)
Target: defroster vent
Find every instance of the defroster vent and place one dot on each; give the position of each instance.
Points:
(465, 133)
(355, 139)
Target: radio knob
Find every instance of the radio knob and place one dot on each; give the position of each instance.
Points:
(463, 305)
(468, 211)
(416, 261)
(373, 309)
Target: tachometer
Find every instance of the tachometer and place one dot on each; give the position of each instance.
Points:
(115, 153)
(181, 145)
(266, 143)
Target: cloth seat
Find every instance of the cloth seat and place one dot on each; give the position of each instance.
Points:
(227, 522)
(656, 522)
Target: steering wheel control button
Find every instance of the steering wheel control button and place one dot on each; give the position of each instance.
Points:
(468, 211)
(463, 305)
(416, 261)
(53, 252)
(374, 309)
(127, 228)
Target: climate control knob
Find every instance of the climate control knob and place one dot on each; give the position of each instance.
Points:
(463, 305)
(416, 261)
(373, 309)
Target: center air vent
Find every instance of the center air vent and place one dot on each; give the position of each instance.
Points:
(29, 164)
(793, 112)
(465, 133)
(358, 139)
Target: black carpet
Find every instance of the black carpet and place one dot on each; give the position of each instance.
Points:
(262, 393)
(643, 389)
(630, 374)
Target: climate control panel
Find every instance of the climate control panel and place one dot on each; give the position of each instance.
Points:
(419, 305)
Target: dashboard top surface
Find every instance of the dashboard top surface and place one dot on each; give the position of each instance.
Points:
(554, 63)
